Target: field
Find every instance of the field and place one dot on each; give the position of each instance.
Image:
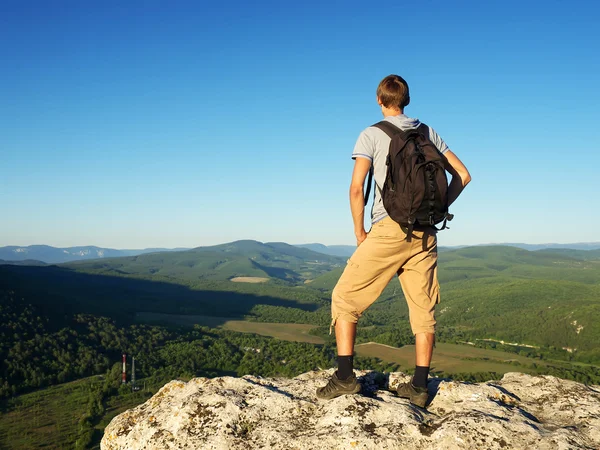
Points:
(249, 280)
(284, 331)
(451, 358)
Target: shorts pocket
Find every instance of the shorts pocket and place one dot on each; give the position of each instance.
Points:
(352, 264)
(387, 228)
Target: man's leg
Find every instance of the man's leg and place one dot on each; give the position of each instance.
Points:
(423, 350)
(367, 273)
(345, 333)
(421, 289)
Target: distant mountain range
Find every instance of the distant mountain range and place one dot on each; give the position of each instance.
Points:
(347, 250)
(54, 255)
(334, 250)
(40, 254)
(576, 246)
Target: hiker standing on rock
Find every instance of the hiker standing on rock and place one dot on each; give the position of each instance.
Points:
(409, 162)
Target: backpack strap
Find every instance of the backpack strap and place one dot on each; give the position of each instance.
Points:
(369, 182)
(388, 128)
(424, 130)
(391, 130)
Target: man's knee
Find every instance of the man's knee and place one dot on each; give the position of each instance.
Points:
(423, 327)
(342, 310)
(422, 314)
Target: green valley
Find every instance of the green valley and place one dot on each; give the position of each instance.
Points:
(264, 309)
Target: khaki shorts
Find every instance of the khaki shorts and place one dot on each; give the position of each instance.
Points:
(385, 254)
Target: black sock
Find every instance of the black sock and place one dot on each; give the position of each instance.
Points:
(345, 367)
(420, 376)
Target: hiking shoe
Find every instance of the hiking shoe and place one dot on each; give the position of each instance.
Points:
(417, 395)
(336, 387)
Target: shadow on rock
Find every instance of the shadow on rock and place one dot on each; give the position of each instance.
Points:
(273, 388)
(505, 391)
(372, 382)
(433, 387)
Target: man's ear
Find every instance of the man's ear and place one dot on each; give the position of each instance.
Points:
(407, 102)
(379, 101)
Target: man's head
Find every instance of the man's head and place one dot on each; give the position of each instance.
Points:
(392, 93)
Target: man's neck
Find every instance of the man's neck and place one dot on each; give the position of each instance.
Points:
(388, 112)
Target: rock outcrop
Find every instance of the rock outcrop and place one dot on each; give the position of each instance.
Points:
(517, 412)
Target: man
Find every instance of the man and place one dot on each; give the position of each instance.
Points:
(385, 251)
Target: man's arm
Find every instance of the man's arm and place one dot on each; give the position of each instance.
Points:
(460, 175)
(357, 197)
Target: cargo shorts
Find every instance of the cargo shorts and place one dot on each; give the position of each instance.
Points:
(386, 253)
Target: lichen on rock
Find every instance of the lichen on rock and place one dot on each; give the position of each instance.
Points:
(519, 411)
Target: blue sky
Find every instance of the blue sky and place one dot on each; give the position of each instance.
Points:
(165, 124)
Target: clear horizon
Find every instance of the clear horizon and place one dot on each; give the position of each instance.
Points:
(301, 243)
(142, 125)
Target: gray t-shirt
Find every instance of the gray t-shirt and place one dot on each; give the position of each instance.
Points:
(374, 144)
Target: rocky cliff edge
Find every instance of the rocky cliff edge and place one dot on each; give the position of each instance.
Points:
(517, 412)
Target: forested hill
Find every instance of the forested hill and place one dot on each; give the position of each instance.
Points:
(25, 262)
(57, 324)
(503, 262)
(585, 255)
(546, 298)
(276, 261)
(53, 316)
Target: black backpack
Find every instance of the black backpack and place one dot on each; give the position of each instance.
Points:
(415, 191)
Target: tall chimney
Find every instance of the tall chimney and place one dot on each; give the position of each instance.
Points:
(124, 377)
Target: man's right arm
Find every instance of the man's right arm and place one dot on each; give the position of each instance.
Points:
(357, 197)
(363, 154)
(460, 175)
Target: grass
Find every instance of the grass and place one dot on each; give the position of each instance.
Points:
(116, 405)
(46, 418)
(285, 331)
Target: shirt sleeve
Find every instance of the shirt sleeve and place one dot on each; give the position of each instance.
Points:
(364, 148)
(438, 141)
